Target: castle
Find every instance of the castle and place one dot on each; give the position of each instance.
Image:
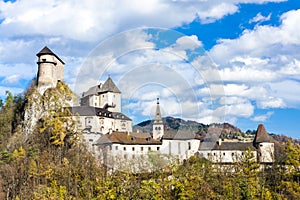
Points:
(108, 132)
(50, 69)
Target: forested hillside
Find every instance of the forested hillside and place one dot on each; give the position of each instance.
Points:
(51, 163)
(228, 131)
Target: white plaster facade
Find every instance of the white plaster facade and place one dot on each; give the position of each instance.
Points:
(182, 149)
(225, 156)
(266, 152)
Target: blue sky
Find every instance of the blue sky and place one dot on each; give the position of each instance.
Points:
(230, 61)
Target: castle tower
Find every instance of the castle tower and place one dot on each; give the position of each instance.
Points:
(110, 96)
(50, 69)
(265, 145)
(158, 125)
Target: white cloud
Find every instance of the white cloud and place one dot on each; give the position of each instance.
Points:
(90, 20)
(187, 43)
(288, 91)
(262, 118)
(271, 102)
(260, 64)
(25, 71)
(260, 18)
(261, 43)
(11, 80)
(71, 29)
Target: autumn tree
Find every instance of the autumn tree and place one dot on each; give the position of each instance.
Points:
(290, 184)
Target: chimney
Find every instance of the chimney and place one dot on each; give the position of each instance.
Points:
(220, 142)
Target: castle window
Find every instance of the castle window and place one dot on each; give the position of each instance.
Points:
(157, 148)
(148, 139)
(224, 154)
(214, 154)
(189, 144)
(132, 148)
(260, 145)
(125, 156)
(124, 148)
(232, 154)
(44, 59)
(116, 147)
(90, 140)
(158, 128)
(142, 148)
(149, 148)
(208, 154)
(88, 121)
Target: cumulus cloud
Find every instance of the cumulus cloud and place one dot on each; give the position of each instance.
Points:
(11, 80)
(91, 20)
(245, 64)
(260, 18)
(262, 118)
(261, 63)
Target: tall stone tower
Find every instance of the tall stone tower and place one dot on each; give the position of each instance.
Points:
(265, 145)
(50, 69)
(158, 125)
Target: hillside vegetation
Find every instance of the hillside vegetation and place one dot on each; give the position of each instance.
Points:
(47, 161)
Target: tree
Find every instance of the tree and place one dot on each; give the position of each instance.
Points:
(1, 103)
(58, 124)
(290, 185)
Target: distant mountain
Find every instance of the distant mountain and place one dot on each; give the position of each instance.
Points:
(229, 131)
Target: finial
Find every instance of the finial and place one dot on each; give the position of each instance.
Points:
(157, 100)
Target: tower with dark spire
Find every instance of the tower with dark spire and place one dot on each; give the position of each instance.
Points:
(110, 96)
(50, 69)
(158, 125)
(265, 145)
(106, 96)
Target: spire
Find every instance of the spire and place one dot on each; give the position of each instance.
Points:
(110, 86)
(158, 119)
(158, 125)
(47, 51)
(262, 135)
